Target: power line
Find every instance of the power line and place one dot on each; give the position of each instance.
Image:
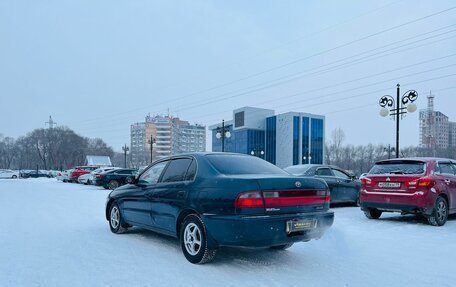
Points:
(217, 99)
(307, 57)
(324, 51)
(334, 93)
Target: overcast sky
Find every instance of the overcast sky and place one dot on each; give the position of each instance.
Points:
(99, 66)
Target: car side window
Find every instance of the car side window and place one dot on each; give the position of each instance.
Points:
(340, 174)
(176, 170)
(152, 175)
(324, 171)
(453, 165)
(191, 171)
(445, 168)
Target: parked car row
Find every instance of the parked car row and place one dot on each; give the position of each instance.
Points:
(26, 173)
(107, 177)
(210, 200)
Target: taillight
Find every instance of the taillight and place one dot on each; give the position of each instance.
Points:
(421, 182)
(249, 199)
(426, 182)
(99, 176)
(366, 181)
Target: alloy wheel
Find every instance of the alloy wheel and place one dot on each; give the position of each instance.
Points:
(192, 239)
(441, 211)
(115, 217)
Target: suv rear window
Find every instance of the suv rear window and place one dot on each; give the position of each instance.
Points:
(243, 164)
(403, 167)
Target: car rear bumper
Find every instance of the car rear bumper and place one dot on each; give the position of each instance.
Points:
(397, 207)
(263, 231)
(419, 201)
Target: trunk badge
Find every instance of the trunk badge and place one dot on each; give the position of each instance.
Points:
(298, 184)
(388, 179)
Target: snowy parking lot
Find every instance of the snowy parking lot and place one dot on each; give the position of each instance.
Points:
(55, 234)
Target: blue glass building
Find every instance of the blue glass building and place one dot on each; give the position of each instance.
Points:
(285, 139)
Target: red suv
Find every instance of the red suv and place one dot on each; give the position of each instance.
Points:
(424, 186)
(80, 170)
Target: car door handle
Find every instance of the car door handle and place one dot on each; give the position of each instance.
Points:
(181, 193)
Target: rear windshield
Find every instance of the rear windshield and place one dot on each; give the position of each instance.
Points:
(412, 167)
(242, 164)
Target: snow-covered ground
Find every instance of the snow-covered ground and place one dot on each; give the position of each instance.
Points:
(55, 234)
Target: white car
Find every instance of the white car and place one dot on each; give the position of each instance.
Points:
(64, 175)
(8, 173)
(88, 178)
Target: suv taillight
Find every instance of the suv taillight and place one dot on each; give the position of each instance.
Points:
(421, 182)
(366, 181)
(249, 199)
(426, 182)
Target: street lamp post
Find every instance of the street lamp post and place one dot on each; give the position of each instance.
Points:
(403, 106)
(257, 152)
(125, 149)
(152, 143)
(223, 133)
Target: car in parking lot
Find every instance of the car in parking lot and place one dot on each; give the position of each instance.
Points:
(344, 187)
(34, 174)
(425, 186)
(8, 173)
(80, 170)
(88, 178)
(64, 175)
(112, 179)
(209, 200)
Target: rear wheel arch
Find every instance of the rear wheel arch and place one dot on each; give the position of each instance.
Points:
(180, 219)
(108, 207)
(445, 196)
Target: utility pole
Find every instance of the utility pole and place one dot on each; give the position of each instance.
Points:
(50, 123)
(125, 149)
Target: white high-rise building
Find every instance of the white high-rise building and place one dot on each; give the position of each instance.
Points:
(172, 136)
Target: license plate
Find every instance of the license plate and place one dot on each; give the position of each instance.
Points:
(389, 184)
(300, 225)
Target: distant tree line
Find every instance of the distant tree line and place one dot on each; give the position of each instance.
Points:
(53, 148)
(361, 158)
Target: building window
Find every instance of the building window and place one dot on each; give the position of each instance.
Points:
(271, 133)
(239, 119)
(305, 140)
(317, 141)
(295, 140)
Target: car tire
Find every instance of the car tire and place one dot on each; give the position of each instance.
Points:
(440, 213)
(373, 213)
(14, 177)
(193, 238)
(357, 202)
(282, 247)
(89, 182)
(115, 220)
(113, 184)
